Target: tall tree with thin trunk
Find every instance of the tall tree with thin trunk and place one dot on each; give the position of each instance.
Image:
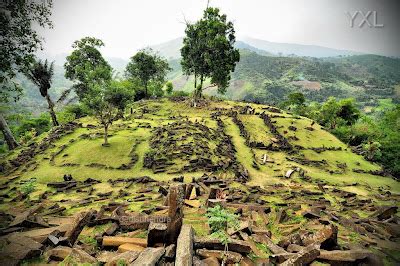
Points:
(41, 74)
(18, 43)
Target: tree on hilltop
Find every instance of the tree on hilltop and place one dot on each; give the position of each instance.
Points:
(208, 51)
(86, 66)
(148, 67)
(105, 98)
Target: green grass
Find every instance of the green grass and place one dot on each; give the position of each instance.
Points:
(128, 132)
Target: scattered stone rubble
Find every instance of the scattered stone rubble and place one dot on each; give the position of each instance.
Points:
(170, 240)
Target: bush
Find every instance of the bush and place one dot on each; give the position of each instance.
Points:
(28, 187)
(77, 110)
(169, 87)
(180, 94)
(219, 219)
(41, 124)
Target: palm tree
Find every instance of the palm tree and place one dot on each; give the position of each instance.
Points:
(41, 74)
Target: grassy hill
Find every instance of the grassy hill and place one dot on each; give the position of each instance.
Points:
(154, 141)
(252, 147)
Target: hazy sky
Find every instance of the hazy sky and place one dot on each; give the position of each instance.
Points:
(128, 25)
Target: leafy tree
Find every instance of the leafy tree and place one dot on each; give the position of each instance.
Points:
(348, 111)
(18, 43)
(169, 87)
(208, 51)
(103, 100)
(147, 67)
(41, 74)
(296, 98)
(19, 40)
(121, 93)
(333, 113)
(86, 66)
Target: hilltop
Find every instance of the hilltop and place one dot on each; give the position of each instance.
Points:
(253, 154)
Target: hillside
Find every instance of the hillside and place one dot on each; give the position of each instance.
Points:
(286, 49)
(256, 154)
(269, 79)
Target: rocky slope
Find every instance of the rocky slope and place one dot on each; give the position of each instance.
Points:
(300, 195)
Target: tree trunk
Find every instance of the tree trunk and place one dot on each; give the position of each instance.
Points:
(51, 111)
(8, 136)
(197, 92)
(145, 90)
(105, 135)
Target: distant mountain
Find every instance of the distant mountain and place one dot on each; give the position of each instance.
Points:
(171, 49)
(286, 49)
(245, 46)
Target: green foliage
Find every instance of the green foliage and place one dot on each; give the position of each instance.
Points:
(28, 187)
(85, 65)
(373, 151)
(333, 113)
(296, 98)
(149, 68)
(180, 94)
(76, 110)
(19, 40)
(377, 135)
(169, 87)
(208, 50)
(219, 219)
(121, 263)
(121, 92)
(40, 125)
(41, 74)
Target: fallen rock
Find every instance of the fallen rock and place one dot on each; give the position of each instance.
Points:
(170, 251)
(193, 203)
(326, 237)
(116, 241)
(275, 249)
(23, 217)
(211, 261)
(58, 253)
(211, 243)
(149, 257)
(127, 257)
(385, 212)
(130, 247)
(228, 256)
(156, 233)
(304, 257)
(106, 256)
(79, 256)
(80, 220)
(335, 256)
(19, 248)
(184, 249)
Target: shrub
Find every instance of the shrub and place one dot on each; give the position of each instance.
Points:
(219, 219)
